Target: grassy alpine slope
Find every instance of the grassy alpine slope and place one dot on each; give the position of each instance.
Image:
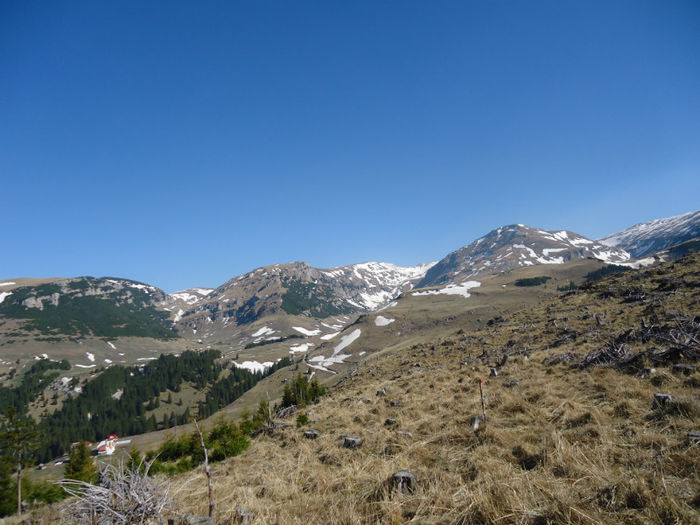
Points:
(572, 436)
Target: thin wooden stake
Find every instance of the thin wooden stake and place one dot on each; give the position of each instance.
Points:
(483, 405)
(269, 408)
(207, 471)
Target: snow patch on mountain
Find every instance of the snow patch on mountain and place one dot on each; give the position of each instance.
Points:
(254, 366)
(547, 251)
(190, 298)
(608, 256)
(300, 348)
(148, 288)
(322, 363)
(306, 332)
(640, 263)
(347, 340)
(4, 295)
(453, 289)
(380, 320)
(263, 331)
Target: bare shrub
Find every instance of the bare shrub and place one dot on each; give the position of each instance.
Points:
(123, 495)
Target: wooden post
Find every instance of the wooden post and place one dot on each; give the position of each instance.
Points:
(269, 408)
(483, 405)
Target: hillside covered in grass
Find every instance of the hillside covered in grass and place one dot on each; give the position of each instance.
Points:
(575, 432)
(88, 306)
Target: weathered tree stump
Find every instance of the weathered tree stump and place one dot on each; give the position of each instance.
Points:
(404, 481)
(493, 373)
(663, 402)
(311, 434)
(686, 370)
(352, 442)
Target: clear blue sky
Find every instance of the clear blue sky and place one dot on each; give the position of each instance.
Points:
(184, 143)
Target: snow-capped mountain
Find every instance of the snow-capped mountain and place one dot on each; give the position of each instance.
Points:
(514, 246)
(375, 284)
(650, 237)
(289, 290)
(285, 300)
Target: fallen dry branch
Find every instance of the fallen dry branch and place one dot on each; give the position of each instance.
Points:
(610, 354)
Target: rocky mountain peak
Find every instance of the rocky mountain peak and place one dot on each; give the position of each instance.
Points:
(517, 245)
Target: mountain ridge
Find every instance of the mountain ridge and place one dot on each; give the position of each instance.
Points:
(513, 246)
(295, 297)
(653, 236)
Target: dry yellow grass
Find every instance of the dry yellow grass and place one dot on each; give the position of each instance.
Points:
(565, 445)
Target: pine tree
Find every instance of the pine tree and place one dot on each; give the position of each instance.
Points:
(261, 415)
(288, 396)
(7, 489)
(80, 465)
(136, 461)
(19, 439)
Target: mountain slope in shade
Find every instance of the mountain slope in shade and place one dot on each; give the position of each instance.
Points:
(515, 246)
(650, 237)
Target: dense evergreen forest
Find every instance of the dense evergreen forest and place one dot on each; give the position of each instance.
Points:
(311, 298)
(532, 281)
(118, 400)
(33, 383)
(608, 269)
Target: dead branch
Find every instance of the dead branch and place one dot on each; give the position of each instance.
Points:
(124, 496)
